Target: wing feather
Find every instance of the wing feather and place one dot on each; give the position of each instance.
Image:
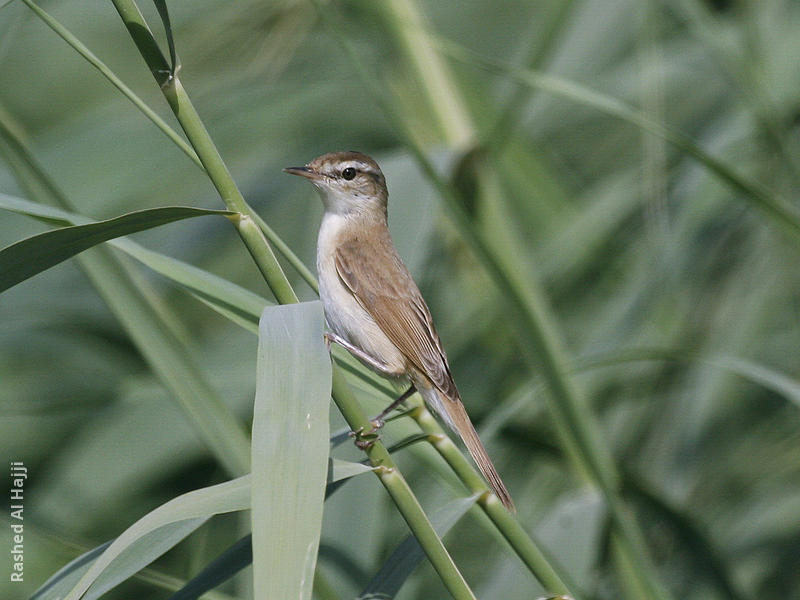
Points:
(382, 285)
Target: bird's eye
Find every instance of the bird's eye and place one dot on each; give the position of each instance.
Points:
(349, 173)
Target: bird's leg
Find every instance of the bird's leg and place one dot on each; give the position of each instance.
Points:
(378, 422)
(365, 439)
(373, 362)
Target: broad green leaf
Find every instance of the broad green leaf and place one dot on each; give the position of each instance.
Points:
(63, 580)
(240, 555)
(87, 54)
(232, 301)
(344, 469)
(141, 553)
(154, 330)
(290, 449)
(31, 256)
(238, 304)
(177, 518)
(339, 437)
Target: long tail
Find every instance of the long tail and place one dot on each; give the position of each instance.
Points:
(456, 416)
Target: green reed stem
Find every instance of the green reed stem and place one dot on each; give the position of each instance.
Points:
(152, 330)
(254, 240)
(73, 41)
(539, 335)
(522, 543)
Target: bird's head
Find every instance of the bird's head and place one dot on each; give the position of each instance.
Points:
(350, 183)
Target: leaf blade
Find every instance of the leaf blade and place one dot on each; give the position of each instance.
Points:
(289, 449)
(195, 506)
(32, 255)
(232, 301)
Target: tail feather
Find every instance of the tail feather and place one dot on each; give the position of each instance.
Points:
(459, 420)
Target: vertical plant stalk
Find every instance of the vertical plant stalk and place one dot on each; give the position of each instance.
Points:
(150, 330)
(200, 140)
(401, 493)
(508, 526)
(509, 116)
(282, 247)
(654, 149)
(262, 254)
(79, 47)
(532, 556)
(758, 195)
(540, 340)
(438, 86)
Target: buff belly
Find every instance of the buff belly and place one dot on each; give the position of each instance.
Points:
(347, 318)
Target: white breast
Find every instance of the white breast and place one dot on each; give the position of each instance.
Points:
(344, 314)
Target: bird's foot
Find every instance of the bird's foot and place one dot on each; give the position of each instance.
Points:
(364, 440)
(377, 422)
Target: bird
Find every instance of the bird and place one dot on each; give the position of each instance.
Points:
(372, 305)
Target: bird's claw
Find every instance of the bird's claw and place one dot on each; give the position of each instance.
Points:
(364, 439)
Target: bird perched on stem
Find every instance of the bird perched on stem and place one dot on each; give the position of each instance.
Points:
(372, 305)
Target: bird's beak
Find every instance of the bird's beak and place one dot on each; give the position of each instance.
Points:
(302, 172)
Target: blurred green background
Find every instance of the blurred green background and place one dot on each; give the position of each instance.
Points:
(677, 297)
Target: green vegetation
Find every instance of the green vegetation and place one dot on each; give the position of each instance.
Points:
(598, 199)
